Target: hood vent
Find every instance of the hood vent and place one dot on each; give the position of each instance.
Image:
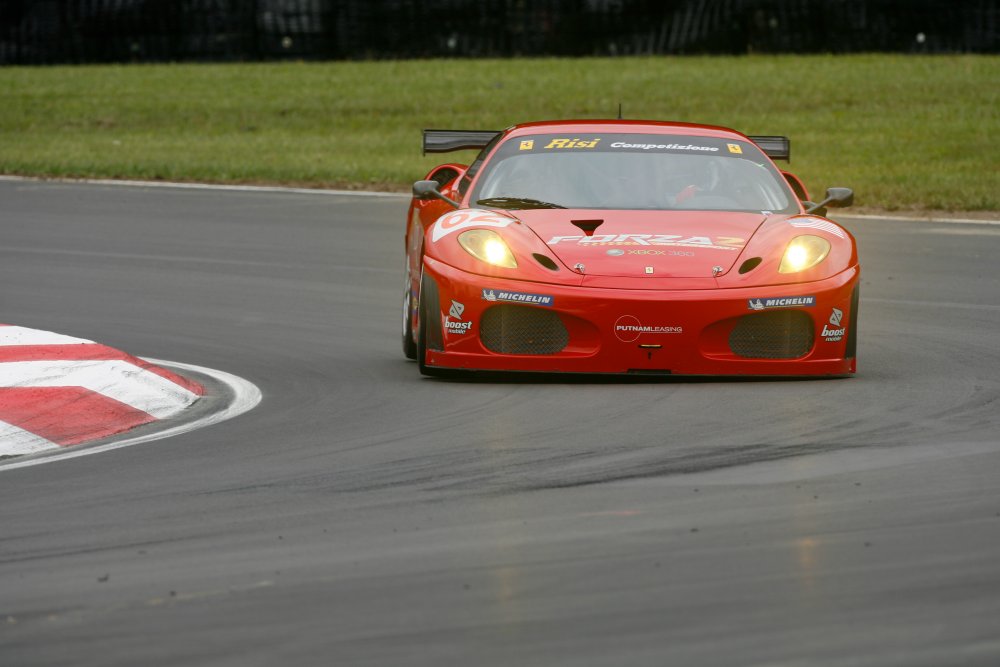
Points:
(545, 261)
(588, 226)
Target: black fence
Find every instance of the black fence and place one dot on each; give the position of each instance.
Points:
(81, 31)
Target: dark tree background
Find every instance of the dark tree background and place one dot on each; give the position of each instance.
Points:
(80, 31)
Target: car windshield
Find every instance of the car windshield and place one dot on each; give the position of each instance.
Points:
(631, 171)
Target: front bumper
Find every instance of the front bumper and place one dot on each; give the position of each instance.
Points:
(641, 331)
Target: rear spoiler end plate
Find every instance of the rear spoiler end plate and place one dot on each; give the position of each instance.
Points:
(444, 141)
(776, 148)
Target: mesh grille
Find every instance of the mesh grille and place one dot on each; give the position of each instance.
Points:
(522, 330)
(777, 335)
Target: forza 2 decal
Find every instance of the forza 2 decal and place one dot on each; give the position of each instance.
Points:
(716, 242)
(456, 220)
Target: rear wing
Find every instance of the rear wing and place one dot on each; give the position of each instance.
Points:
(444, 141)
(776, 148)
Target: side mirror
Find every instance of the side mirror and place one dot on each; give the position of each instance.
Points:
(835, 198)
(839, 197)
(425, 190)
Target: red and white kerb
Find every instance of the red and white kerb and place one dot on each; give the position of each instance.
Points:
(57, 391)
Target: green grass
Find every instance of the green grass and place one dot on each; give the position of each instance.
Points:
(906, 132)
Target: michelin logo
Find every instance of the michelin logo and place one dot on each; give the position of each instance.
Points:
(518, 297)
(781, 302)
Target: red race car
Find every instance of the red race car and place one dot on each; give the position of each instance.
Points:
(632, 247)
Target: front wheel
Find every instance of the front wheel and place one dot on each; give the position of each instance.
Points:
(428, 314)
(409, 346)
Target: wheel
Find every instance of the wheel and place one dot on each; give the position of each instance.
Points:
(427, 301)
(409, 346)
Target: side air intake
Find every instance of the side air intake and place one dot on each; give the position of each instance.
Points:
(775, 335)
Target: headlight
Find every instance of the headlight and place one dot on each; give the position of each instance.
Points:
(804, 252)
(488, 246)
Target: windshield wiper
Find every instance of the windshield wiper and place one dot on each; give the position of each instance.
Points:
(517, 202)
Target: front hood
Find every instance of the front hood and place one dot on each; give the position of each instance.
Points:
(660, 244)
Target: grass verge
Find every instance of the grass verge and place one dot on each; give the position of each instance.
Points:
(906, 132)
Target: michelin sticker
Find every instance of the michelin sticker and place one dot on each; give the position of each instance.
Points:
(456, 220)
(836, 334)
(517, 297)
(781, 302)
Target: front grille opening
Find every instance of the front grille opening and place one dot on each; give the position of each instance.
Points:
(776, 335)
(750, 264)
(509, 329)
(546, 262)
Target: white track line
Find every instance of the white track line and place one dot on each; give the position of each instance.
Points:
(901, 218)
(246, 396)
(369, 193)
(205, 186)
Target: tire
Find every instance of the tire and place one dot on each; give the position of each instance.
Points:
(422, 321)
(409, 346)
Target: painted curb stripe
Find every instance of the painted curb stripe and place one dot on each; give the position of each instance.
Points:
(91, 352)
(58, 390)
(15, 441)
(11, 335)
(67, 415)
(119, 380)
(245, 397)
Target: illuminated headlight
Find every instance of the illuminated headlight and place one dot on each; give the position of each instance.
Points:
(804, 252)
(488, 246)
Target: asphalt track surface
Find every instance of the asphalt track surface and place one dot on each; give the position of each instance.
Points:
(362, 514)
